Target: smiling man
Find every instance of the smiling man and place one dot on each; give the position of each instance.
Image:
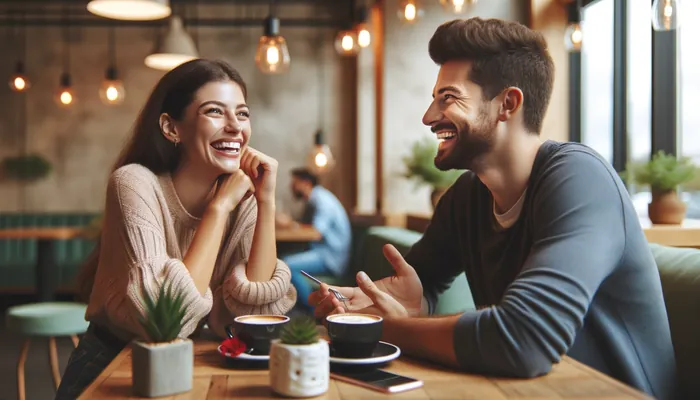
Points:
(546, 233)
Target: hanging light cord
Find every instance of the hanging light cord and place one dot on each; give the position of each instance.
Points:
(112, 49)
(66, 46)
(321, 85)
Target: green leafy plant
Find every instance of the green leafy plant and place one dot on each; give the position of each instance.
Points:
(420, 165)
(165, 316)
(26, 167)
(300, 330)
(663, 173)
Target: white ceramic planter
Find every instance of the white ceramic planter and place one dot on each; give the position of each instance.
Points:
(162, 369)
(299, 370)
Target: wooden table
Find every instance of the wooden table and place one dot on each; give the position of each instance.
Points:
(212, 380)
(299, 233)
(46, 264)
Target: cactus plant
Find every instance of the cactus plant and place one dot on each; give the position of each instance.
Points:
(165, 316)
(300, 331)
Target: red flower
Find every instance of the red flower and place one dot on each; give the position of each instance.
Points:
(233, 346)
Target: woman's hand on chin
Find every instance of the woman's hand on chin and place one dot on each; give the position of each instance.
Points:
(231, 189)
(262, 170)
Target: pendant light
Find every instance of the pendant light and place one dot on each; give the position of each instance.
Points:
(320, 159)
(364, 38)
(346, 43)
(272, 55)
(664, 14)
(112, 88)
(130, 10)
(409, 10)
(573, 36)
(457, 6)
(19, 82)
(65, 96)
(173, 49)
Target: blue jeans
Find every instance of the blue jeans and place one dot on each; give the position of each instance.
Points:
(311, 262)
(86, 362)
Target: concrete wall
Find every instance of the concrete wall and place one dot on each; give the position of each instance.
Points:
(83, 141)
(409, 77)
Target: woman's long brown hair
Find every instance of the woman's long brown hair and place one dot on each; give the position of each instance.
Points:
(147, 146)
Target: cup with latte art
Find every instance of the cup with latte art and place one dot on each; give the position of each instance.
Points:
(354, 335)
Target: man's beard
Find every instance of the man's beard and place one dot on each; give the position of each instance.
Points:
(471, 144)
(297, 194)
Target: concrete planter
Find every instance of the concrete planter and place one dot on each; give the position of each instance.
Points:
(299, 370)
(162, 369)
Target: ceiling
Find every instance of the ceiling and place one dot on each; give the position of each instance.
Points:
(203, 13)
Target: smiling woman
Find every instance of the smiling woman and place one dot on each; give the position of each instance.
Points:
(191, 205)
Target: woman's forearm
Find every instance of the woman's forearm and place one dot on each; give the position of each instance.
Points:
(201, 255)
(263, 252)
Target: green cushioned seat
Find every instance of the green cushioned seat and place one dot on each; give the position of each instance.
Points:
(457, 298)
(679, 270)
(47, 319)
(18, 257)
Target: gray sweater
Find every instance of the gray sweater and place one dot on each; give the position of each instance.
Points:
(574, 275)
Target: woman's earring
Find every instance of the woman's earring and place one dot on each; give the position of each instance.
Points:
(176, 142)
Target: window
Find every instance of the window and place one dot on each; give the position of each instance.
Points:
(597, 77)
(688, 87)
(689, 79)
(639, 94)
(639, 81)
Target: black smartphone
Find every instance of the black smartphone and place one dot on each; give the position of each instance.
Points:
(380, 380)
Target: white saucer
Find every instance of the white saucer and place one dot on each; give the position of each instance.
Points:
(384, 352)
(244, 356)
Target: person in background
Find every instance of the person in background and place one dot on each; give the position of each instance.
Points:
(545, 232)
(189, 206)
(325, 213)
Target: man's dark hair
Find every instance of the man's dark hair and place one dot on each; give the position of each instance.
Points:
(306, 175)
(503, 54)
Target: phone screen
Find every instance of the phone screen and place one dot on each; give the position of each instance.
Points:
(379, 379)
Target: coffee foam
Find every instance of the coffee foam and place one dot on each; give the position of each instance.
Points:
(262, 319)
(353, 319)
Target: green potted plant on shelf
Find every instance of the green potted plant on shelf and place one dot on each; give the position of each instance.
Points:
(663, 174)
(162, 363)
(420, 166)
(26, 167)
(299, 360)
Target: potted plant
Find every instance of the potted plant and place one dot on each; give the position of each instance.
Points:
(299, 360)
(26, 167)
(663, 173)
(162, 364)
(420, 166)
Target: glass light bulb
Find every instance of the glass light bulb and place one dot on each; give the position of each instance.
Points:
(573, 37)
(409, 10)
(346, 43)
(19, 83)
(112, 92)
(321, 160)
(65, 97)
(664, 15)
(364, 38)
(457, 6)
(272, 55)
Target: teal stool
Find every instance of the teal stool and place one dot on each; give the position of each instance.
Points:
(50, 319)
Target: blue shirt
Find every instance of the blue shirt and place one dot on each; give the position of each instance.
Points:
(328, 216)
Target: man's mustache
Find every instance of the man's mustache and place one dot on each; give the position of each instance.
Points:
(442, 126)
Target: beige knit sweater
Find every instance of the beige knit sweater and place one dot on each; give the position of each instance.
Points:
(146, 234)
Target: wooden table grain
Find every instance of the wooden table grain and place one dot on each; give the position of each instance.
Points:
(299, 234)
(213, 380)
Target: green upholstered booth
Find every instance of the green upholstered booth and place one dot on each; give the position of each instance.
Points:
(18, 257)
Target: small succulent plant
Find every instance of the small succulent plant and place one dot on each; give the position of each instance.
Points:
(300, 330)
(165, 316)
